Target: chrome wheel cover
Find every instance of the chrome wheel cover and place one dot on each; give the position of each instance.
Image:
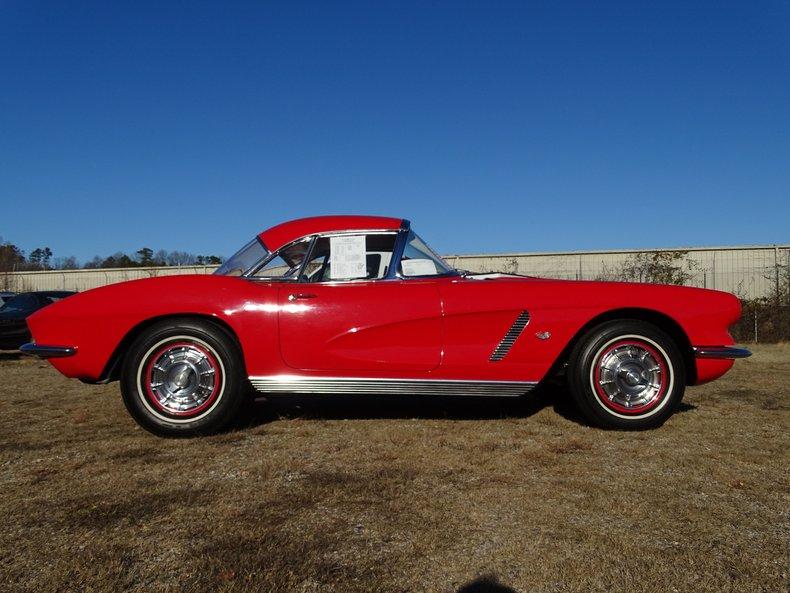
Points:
(630, 376)
(182, 378)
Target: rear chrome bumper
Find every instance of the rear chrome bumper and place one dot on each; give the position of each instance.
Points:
(727, 352)
(43, 351)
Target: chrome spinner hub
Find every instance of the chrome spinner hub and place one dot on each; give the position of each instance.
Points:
(182, 378)
(630, 376)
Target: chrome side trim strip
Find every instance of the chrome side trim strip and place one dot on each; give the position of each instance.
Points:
(47, 351)
(510, 337)
(721, 352)
(373, 386)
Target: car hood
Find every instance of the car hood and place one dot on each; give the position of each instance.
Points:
(674, 300)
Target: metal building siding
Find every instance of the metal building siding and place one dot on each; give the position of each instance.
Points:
(748, 272)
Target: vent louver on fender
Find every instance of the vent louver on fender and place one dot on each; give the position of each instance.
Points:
(510, 337)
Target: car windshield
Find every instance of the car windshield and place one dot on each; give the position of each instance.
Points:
(22, 302)
(420, 260)
(244, 259)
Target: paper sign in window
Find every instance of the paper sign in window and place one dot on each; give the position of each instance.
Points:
(347, 257)
(418, 267)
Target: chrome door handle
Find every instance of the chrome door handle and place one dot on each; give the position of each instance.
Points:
(300, 295)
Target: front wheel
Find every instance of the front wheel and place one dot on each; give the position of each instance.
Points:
(626, 374)
(183, 377)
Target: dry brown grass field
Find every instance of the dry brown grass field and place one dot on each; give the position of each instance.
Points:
(397, 494)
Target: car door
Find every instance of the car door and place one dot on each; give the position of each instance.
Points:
(357, 325)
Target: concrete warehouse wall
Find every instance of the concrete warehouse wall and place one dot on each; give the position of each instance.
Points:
(749, 272)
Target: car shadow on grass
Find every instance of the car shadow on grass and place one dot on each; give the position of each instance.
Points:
(485, 584)
(442, 407)
(367, 407)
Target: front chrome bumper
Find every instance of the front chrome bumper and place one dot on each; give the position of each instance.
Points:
(727, 352)
(43, 351)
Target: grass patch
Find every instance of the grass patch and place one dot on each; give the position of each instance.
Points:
(397, 494)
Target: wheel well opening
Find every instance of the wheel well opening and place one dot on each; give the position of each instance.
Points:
(660, 320)
(112, 369)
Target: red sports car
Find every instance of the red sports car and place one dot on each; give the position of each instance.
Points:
(361, 304)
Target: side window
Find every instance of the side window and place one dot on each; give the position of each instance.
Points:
(350, 257)
(285, 264)
(420, 260)
(314, 267)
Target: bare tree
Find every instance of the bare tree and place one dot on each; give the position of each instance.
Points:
(180, 258)
(66, 263)
(657, 267)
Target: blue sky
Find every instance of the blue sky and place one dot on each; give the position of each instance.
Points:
(493, 126)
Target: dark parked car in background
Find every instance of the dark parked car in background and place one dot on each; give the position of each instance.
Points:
(15, 310)
(5, 296)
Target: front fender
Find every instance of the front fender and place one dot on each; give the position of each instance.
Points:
(99, 321)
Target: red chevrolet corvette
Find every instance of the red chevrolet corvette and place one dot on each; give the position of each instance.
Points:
(360, 304)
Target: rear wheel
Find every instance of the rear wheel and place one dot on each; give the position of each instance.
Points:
(626, 374)
(183, 377)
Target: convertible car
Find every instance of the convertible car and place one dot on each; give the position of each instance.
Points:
(360, 304)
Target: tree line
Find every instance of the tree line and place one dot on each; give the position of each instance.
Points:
(14, 259)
